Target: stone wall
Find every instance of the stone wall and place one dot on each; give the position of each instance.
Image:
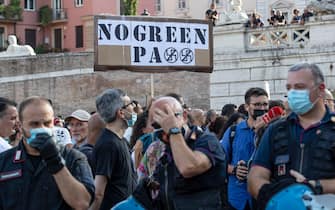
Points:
(70, 82)
(244, 58)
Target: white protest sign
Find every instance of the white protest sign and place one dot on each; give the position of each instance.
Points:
(153, 43)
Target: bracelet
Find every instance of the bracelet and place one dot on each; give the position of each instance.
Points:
(316, 184)
(318, 187)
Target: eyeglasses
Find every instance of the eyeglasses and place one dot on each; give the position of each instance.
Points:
(125, 106)
(260, 104)
(329, 100)
(134, 103)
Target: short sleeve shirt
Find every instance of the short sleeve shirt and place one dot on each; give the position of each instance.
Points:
(62, 136)
(242, 149)
(111, 157)
(263, 155)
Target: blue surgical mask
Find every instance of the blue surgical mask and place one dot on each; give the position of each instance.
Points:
(35, 131)
(299, 101)
(132, 120)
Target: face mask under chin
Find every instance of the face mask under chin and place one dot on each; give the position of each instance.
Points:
(131, 120)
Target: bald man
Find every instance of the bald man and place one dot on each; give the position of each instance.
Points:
(329, 100)
(95, 127)
(192, 159)
(197, 117)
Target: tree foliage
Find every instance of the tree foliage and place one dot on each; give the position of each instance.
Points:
(45, 14)
(129, 7)
(13, 10)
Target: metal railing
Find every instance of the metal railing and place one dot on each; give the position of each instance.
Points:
(59, 14)
(277, 37)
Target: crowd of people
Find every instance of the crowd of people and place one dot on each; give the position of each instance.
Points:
(176, 156)
(277, 18)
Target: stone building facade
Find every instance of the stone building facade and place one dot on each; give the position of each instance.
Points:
(70, 82)
(245, 58)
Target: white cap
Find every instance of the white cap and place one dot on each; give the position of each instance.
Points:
(79, 114)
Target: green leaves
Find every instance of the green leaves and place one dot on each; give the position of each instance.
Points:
(129, 7)
(45, 15)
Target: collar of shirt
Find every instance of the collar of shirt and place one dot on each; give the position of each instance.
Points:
(243, 125)
(326, 118)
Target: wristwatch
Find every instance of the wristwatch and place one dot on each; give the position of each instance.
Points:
(318, 187)
(174, 131)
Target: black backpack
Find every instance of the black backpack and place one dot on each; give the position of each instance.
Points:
(231, 140)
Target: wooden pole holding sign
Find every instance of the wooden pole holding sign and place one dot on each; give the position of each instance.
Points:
(150, 44)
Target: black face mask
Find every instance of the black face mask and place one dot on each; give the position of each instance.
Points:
(258, 113)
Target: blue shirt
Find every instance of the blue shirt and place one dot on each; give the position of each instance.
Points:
(243, 147)
(146, 140)
(263, 155)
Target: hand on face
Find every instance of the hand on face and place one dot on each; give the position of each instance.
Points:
(259, 123)
(167, 118)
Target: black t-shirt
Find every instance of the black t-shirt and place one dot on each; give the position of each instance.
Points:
(87, 149)
(111, 157)
(210, 14)
(281, 19)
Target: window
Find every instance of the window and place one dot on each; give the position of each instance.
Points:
(29, 4)
(30, 37)
(79, 3)
(181, 4)
(158, 6)
(57, 4)
(2, 39)
(79, 37)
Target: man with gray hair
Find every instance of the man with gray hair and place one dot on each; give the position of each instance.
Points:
(115, 176)
(299, 148)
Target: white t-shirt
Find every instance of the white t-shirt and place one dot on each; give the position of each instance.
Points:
(4, 145)
(62, 135)
(127, 133)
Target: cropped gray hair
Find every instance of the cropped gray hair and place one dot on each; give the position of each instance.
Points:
(316, 72)
(108, 103)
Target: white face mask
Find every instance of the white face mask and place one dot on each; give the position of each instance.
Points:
(35, 131)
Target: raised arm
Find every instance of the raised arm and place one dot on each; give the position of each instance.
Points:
(73, 192)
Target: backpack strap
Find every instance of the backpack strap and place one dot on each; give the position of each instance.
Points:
(231, 140)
